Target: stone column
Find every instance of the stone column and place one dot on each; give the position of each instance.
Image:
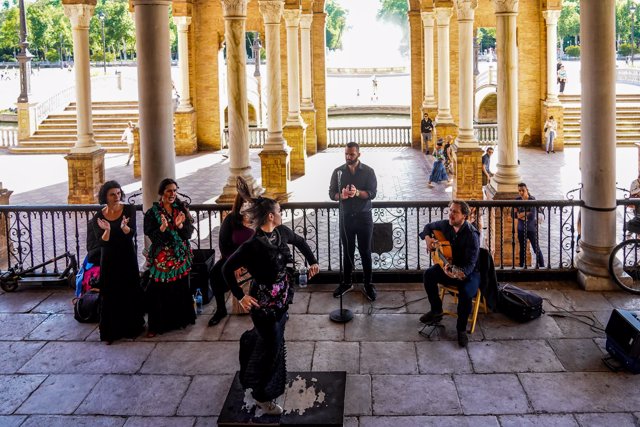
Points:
(5, 194)
(468, 179)
(443, 15)
(319, 76)
(552, 106)
(429, 104)
(235, 17)
(154, 95)
(295, 128)
(598, 130)
(307, 108)
(416, 65)
(275, 154)
(185, 116)
(86, 158)
(137, 165)
(26, 113)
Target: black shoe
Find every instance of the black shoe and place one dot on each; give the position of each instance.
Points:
(217, 317)
(342, 289)
(370, 292)
(431, 317)
(463, 339)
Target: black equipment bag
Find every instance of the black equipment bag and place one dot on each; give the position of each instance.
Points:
(86, 309)
(518, 304)
(203, 261)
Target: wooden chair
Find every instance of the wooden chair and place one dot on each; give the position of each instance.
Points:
(477, 301)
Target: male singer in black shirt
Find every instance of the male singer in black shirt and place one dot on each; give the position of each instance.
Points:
(355, 184)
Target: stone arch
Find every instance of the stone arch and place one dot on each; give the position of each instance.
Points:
(488, 109)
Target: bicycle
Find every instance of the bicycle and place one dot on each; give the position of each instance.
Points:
(624, 261)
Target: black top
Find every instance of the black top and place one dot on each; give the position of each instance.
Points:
(465, 244)
(265, 256)
(364, 179)
(486, 162)
(531, 215)
(426, 126)
(233, 233)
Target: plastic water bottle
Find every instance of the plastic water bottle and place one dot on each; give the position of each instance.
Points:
(302, 278)
(198, 302)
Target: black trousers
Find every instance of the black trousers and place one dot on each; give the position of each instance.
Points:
(358, 226)
(532, 236)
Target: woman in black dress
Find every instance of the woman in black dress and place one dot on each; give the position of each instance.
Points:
(169, 227)
(111, 234)
(265, 255)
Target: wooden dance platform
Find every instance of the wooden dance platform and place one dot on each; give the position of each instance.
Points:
(311, 399)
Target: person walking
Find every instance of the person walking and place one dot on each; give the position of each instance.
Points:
(550, 129)
(438, 173)
(562, 78)
(426, 130)
(355, 185)
(127, 136)
(486, 166)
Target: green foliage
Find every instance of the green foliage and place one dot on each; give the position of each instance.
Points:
(9, 29)
(625, 49)
(569, 21)
(96, 56)
(395, 11)
(487, 38)
(119, 29)
(573, 51)
(335, 24)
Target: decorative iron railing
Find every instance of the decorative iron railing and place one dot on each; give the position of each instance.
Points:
(8, 138)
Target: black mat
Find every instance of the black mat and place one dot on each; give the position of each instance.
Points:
(311, 399)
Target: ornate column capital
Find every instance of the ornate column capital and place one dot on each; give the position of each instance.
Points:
(466, 9)
(79, 15)
(234, 8)
(292, 17)
(271, 10)
(305, 21)
(427, 18)
(443, 15)
(182, 22)
(506, 6)
(551, 16)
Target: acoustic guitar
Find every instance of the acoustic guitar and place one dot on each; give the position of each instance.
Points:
(443, 255)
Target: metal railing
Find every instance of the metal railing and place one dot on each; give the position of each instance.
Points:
(486, 134)
(30, 235)
(8, 138)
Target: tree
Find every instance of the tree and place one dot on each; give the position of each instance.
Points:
(336, 22)
(487, 38)
(9, 29)
(569, 21)
(395, 11)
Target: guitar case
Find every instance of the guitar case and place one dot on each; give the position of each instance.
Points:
(518, 304)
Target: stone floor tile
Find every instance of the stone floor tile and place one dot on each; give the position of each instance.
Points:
(442, 357)
(414, 395)
(206, 422)
(15, 389)
(513, 356)
(596, 420)
(88, 357)
(554, 299)
(390, 302)
(383, 327)
(198, 332)
(57, 302)
(160, 421)
(546, 420)
(61, 327)
(23, 300)
(11, 420)
(206, 395)
(192, 358)
(234, 326)
(416, 301)
(59, 394)
(582, 391)
(300, 302)
(16, 354)
(140, 395)
(602, 345)
(578, 325)
(623, 300)
(337, 356)
(73, 421)
(499, 327)
(313, 327)
(578, 355)
(426, 421)
(325, 303)
(507, 395)
(357, 399)
(587, 301)
(300, 355)
(17, 326)
(388, 358)
(350, 422)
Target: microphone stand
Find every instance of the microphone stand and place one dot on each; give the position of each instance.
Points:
(341, 315)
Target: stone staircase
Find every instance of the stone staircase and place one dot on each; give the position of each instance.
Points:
(57, 134)
(627, 119)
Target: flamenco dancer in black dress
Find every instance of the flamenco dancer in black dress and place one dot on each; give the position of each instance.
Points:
(265, 255)
(110, 236)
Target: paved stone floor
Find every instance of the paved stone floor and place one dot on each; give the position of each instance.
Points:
(548, 372)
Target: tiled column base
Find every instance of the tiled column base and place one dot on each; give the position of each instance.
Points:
(309, 117)
(86, 175)
(184, 128)
(557, 111)
(468, 174)
(137, 167)
(4, 255)
(275, 172)
(295, 137)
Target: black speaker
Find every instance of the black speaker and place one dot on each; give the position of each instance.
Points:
(624, 329)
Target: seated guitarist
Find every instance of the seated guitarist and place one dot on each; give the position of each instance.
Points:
(461, 272)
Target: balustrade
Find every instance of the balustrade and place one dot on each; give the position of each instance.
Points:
(8, 138)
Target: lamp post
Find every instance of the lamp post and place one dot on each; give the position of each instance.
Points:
(255, 47)
(24, 58)
(61, 58)
(104, 45)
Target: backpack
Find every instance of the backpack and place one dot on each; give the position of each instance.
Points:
(86, 305)
(518, 304)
